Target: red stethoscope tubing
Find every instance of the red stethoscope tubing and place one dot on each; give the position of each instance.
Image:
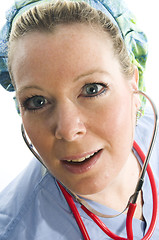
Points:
(155, 202)
(75, 212)
(130, 212)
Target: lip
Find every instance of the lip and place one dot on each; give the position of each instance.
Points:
(81, 167)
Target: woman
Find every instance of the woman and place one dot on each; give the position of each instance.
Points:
(75, 82)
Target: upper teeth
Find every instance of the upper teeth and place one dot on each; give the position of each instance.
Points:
(80, 159)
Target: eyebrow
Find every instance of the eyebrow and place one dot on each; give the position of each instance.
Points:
(19, 92)
(91, 72)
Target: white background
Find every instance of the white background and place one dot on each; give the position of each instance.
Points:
(14, 155)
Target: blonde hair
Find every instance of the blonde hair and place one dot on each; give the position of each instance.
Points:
(47, 16)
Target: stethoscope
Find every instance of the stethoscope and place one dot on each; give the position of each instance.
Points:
(131, 206)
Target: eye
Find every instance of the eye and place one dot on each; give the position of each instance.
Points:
(93, 89)
(35, 103)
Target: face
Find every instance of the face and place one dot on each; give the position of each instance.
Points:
(77, 107)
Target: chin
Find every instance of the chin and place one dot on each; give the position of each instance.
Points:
(87, 187)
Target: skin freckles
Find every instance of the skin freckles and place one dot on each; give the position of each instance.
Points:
(70, 123)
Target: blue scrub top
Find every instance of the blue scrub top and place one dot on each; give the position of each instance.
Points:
(32, 207)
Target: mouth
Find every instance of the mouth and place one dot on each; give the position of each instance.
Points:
(80, 160)
(83, 164)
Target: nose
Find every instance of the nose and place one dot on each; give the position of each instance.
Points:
(69, 125)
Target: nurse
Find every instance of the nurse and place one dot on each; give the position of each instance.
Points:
(74, 67)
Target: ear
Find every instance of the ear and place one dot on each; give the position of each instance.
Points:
(134, 86)
(134, 81)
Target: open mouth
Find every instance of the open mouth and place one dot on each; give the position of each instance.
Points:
(82, 165)
(84, 159)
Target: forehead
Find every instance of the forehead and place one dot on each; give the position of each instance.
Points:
(62, 35)
(69, 49)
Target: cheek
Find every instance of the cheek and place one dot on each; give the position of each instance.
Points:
(121, 117)
(115, 121)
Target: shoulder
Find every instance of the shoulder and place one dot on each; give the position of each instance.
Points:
(18, 197)
(17, 193)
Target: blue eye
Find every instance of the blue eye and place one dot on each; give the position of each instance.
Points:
(35, 103)
(93, 89)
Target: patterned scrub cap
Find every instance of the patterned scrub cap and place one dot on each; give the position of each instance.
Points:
(116, 10)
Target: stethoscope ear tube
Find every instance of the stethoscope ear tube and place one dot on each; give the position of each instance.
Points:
(146, 167)
(149, 152)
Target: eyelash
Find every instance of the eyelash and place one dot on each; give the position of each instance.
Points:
(102, 91)
(27, 100)
(25, 103)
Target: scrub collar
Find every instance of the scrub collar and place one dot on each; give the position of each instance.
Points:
(116, 10)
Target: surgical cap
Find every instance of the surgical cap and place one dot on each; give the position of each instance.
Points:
(116, 10)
